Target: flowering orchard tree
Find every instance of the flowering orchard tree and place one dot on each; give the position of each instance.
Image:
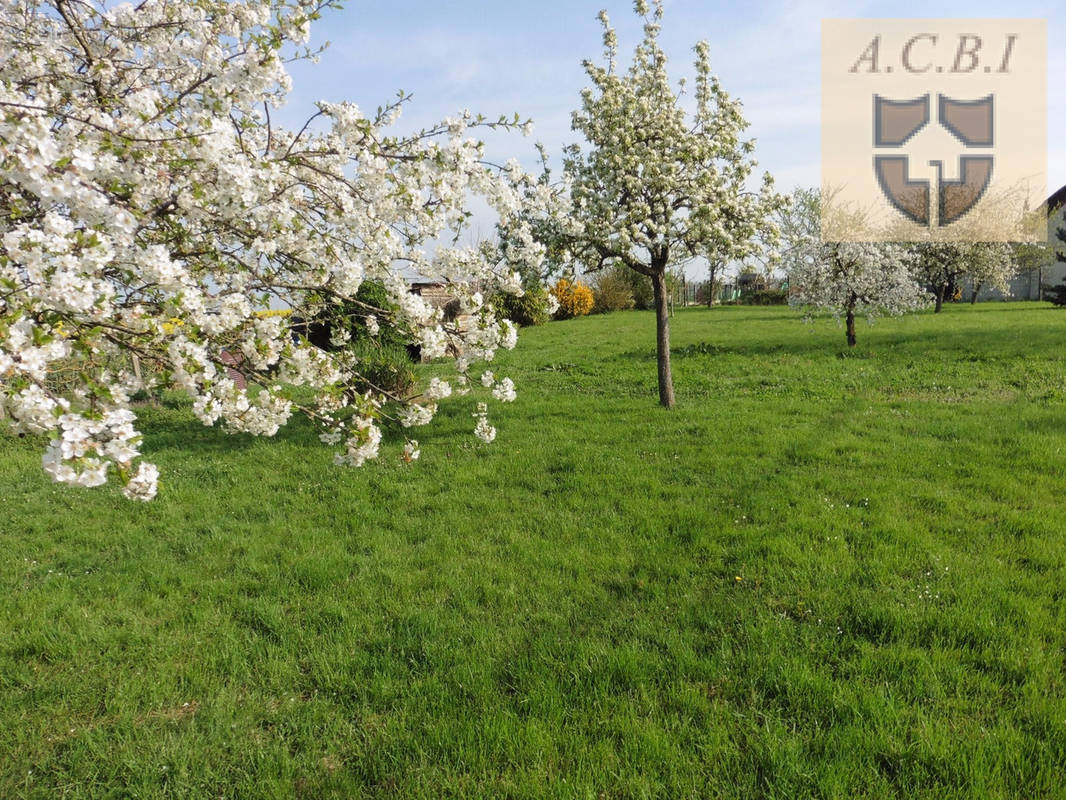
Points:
(942, 265)
(656, 189)
(992, 265)
(851, 278)
(150, 208)
(1029, 257)
(800, 226)
(846, 278)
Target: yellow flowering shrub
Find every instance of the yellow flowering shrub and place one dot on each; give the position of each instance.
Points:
(575, 298)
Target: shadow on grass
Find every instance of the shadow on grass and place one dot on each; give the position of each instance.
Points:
(182, 433)
(178, 429)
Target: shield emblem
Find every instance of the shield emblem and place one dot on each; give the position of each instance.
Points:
(969, 121)
(909, 197)
(955, 198)
(896, 121)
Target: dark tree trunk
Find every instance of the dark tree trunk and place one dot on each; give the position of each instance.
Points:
(662, 340)
(940, 291)
(976, 289)
(710, 288)
(850, 324)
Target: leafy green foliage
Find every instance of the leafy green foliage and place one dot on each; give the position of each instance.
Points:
(612, 290)
(528, 310)
(384, 355)
(374, 295)
(390, 368)
(643, 291)
(1056, 294)
(764, 297)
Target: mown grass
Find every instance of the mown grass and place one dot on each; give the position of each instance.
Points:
(825, 574)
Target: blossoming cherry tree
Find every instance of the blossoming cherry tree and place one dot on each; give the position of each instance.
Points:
(149, 207)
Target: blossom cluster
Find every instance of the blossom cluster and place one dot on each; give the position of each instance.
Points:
(150, 210)
(857, 278)
(658, 186)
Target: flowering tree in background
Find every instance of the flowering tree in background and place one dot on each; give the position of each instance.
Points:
(150, 208)
(846, 279)
(948, 257)
(943, 265)
(1035, 257)
(991, 266)
(800, 225)
(852, 278)
(715, 271)
(655, 189)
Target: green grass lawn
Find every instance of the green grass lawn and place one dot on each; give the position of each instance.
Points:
(824, 574)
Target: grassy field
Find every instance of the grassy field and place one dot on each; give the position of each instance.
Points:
(824, 574)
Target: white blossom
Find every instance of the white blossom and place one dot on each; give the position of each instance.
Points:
(847, 278)
(438, 390)
(505, 391)
(143, 485)
(657, 186)
(483, 430)
(151, 210)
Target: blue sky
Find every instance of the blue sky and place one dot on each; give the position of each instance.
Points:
(498, 58)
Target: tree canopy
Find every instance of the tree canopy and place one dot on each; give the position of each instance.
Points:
(656, 187)
(151, 207)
